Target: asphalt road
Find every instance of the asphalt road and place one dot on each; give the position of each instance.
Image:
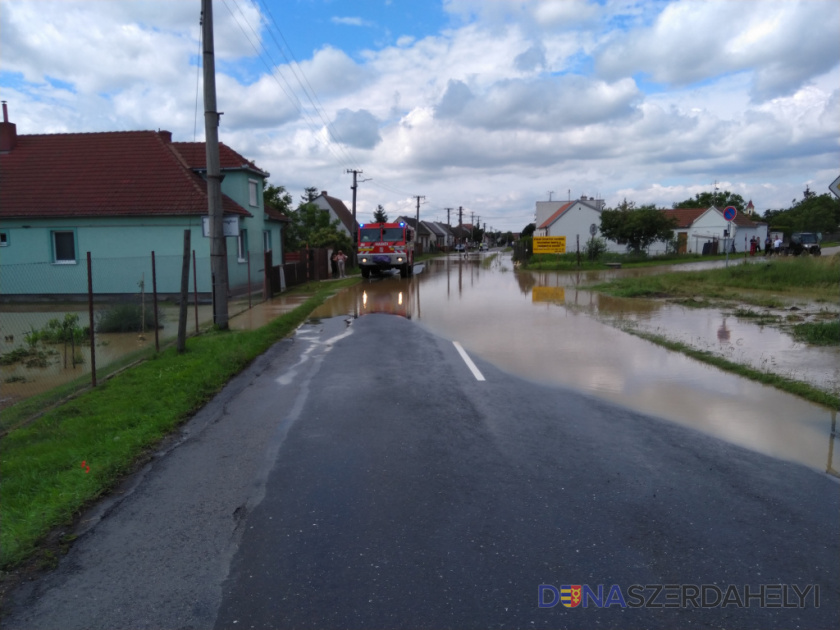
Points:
(360, 476)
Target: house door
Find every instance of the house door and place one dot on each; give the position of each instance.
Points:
(682, 242)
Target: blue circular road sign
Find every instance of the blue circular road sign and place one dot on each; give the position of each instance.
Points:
(730, 213)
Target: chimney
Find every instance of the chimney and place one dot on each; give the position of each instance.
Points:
(166, 136)
(8, 132)
(324, 192)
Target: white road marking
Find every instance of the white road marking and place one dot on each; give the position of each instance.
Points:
(478, 375)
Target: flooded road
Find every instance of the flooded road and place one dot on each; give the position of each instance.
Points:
(542, 326)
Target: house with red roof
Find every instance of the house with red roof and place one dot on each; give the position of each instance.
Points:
(695, 227)
(121, 195)
(576, 219)
(706, 230)
(337, 210)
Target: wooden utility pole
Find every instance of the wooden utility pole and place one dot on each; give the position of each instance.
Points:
(218, 247)
(354, 187)
(185, 291)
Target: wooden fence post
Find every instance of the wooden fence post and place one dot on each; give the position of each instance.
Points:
(90, 314)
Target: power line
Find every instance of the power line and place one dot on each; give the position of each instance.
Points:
(308, 90)
(290, 92)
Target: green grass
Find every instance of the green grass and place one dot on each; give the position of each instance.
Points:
(803, 276)
(569, 261)
(112, 426)
(818, 333)
(792, 386)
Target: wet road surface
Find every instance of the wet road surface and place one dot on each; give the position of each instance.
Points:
(361, 476)
(543, 327)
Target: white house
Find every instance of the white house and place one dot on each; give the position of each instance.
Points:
(337, 210)
(698, 226)
(573, 219)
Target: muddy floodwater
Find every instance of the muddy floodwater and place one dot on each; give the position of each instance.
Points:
(544, 327)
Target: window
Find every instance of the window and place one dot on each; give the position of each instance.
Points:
(242, 246)
(64, 247)
(4, 238)
(266, 240)
(252, 192)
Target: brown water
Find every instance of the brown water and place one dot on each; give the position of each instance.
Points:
(543, 327)
(18, 381)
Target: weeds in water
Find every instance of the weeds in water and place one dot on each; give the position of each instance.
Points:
(818, 333)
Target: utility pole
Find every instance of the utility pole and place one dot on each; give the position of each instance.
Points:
(550, 192)
(218, 247)
(417, 225)
(354, 187)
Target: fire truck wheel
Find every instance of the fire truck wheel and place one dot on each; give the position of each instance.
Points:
(365, 272)
(404, 271)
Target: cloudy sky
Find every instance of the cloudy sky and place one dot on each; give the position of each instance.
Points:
(491, 105)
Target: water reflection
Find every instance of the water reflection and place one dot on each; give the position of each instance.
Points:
(544, 327)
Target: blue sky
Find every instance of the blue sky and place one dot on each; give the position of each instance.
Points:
(485, 104)
(354, 26)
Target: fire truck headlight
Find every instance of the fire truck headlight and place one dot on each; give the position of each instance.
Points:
(399, 258)
(364, 260)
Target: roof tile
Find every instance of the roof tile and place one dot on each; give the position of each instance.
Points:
(120, 173)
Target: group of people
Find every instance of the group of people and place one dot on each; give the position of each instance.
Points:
(338, 260)
(770, 245)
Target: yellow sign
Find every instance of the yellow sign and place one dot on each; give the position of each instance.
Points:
(549, 244)
(548, 294)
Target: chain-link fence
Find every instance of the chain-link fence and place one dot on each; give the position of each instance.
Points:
(46, 311)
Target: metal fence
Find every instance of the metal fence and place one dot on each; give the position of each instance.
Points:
(47, 312)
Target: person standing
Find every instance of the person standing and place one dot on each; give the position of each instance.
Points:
(341, 258)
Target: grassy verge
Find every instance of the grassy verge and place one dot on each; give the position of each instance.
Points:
(762, 284)
(110, 428)
(798, 388)
(569, 262)
(818, 333)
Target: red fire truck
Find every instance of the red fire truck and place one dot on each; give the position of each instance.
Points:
(385, 246)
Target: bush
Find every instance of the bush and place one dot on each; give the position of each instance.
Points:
(126, 317)
(595, 248)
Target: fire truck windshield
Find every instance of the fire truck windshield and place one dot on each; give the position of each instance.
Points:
(370, 235)
(392, 234)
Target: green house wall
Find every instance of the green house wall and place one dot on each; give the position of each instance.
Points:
(121, 249)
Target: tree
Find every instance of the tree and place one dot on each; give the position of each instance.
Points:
(529, 230)
(719, 200)
(311, 227)
(379, 215)
(309, 194)
(637, 227)
(814, 213)
(278, 198)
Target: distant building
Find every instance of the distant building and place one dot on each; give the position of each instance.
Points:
(337, 210)
(697, 227)
(576, 220)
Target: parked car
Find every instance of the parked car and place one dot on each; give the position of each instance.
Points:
(482, 247)
(804, 242)
(459, 247)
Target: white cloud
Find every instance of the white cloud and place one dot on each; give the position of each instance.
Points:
(351, 21)
(780, 42)
(358, 129)
(649, 100)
